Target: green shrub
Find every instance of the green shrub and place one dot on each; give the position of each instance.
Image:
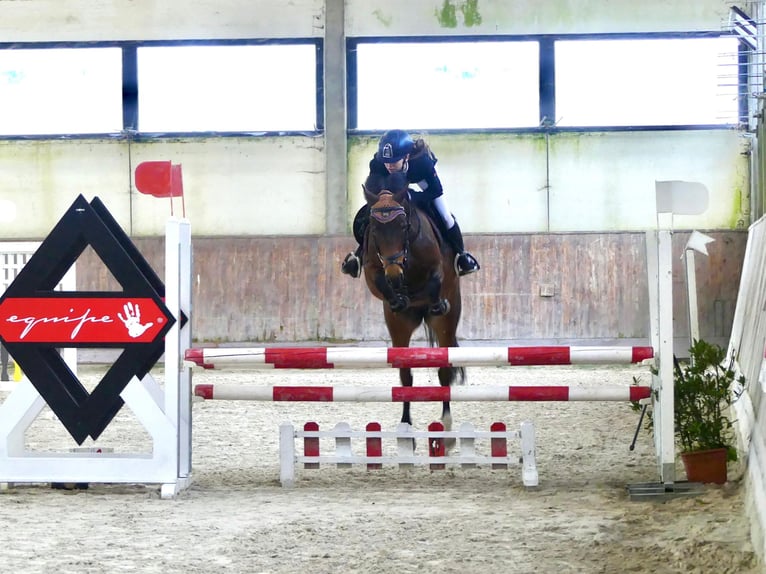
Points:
(703, 397)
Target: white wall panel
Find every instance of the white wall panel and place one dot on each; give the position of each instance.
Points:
(440, 17)
(232, 186)
(504, 183)
(85, 20)
(43, 178)
(265, 186)
(606, 181)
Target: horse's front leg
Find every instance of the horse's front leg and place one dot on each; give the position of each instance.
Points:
(405, 377)
(397, 301)
(437, 306)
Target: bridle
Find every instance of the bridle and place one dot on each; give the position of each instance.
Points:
(388, 214)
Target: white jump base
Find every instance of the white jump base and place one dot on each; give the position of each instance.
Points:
(406, 457)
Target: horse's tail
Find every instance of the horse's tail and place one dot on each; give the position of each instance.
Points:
(458, 372)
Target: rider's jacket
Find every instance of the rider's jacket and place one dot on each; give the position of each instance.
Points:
(421, 171)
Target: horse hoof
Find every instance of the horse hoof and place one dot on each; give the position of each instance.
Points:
(399, 304)
(440, 308)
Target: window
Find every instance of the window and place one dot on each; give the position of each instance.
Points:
(240, 88)
(60, 91)
(432, 85)
(684, 81)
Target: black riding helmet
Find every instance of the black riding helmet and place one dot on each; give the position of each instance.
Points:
(394, 145)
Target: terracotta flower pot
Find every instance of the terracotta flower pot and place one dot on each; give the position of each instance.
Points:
(705, 465)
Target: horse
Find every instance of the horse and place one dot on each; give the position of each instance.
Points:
(408, 265)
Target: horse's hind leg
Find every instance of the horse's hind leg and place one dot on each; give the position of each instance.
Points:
(400, 328)
(446, 378)
(443, 331)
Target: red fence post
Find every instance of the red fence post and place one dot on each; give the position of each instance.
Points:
(499, 445)
(374, 446)
(436, 444)
(311, 444)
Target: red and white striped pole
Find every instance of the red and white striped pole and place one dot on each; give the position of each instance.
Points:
(403, 357)
(246, 392)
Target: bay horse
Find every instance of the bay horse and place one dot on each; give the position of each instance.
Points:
(409, 266)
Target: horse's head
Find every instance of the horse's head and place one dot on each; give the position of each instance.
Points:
(389, 226)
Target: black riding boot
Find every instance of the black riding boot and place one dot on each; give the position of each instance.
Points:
(465, 263)
(352, 264)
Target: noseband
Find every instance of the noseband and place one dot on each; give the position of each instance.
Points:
(387, 214)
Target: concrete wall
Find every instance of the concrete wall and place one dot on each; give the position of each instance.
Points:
(275, 186)
(107, 20)
(84, 20)
(443, 17)
(501, 183)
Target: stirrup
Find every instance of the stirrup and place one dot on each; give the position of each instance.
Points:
(351, 265)
(465, 264)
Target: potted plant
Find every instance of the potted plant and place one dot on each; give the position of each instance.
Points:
(703, 395)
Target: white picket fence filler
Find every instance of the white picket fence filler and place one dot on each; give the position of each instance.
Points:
(13, 256)
(406, 456)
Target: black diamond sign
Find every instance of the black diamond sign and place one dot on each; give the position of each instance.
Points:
(36, 320)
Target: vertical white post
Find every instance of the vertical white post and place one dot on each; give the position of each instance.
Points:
(467, 444)
(529, 474)
(287, 455)
(697, 242)
(343, 443)
(405, 445)
(691, 296)
(673, 197)
(660, 271)
(177, 405)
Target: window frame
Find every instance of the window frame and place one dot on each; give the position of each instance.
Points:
(41, 46)
(547, 85)
(130, 86)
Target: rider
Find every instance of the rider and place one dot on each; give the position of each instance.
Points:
(397, 152)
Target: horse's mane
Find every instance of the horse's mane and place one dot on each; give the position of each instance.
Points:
(395, 182)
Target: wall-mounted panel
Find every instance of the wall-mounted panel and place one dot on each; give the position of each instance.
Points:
(445, 17)
(509, 183)
(42, 179)
(106, 20)
(240, 186)
(606, 181)
(232, 186)
(493, 183)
